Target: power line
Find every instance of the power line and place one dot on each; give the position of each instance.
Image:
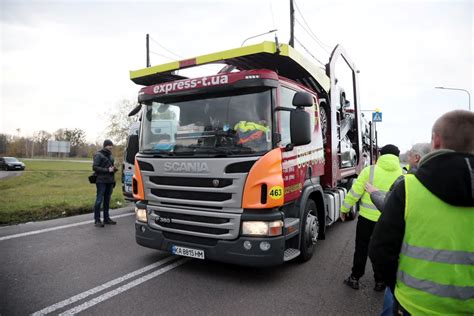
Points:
(307, 32)
(166, 49)
(316, 38)
(308, 51)
(161, 55)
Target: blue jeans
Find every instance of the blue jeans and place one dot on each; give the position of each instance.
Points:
(104, 192)
(387, 303)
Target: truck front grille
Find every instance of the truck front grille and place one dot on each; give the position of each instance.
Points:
(192, 195)
(198, 229)
(192, 182)
(194, 222)
(191, 239)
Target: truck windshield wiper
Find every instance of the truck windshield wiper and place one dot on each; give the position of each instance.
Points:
(158, 153)
(221, 150)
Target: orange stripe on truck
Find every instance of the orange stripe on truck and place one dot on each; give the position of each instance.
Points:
(266, 171)
(139, 192)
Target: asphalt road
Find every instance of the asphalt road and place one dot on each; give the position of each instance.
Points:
(9, 174)
(68, 266)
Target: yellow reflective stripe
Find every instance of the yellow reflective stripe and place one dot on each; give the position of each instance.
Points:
(369, 206)
(450, 291)
(372, 174)
(346, 205)
(355, 194)
(436, 255)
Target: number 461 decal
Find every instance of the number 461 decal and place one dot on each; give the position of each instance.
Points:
(276, 192)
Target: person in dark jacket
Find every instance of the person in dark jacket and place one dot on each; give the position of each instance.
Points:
(105, 169)
(415, 154)
(422, 244)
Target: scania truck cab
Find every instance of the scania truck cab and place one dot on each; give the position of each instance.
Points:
(243, 166)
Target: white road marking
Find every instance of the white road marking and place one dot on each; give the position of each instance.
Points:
(102, 287)
(123, 288)
(34, 232)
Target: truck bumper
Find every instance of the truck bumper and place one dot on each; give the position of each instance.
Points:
(230, 251)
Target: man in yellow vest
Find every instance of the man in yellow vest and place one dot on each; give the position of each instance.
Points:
(377, 197)
(252, 134)
(423, 244)
(381, 175)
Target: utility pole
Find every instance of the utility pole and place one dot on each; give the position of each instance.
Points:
(292, 25)
(148, 50)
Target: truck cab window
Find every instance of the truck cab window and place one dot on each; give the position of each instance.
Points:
(286, 101)
(218, 125)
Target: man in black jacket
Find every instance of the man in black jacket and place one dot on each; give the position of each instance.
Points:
(447, 175)
(105, 169)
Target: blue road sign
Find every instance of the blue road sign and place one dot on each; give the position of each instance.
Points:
(376, 116)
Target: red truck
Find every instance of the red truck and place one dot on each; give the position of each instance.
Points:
(257, 160)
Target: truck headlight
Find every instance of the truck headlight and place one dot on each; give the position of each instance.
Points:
(261, 228)
(141, 215)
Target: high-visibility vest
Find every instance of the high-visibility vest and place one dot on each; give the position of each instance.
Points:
(250, 131)
(436, 268)
(245, 126)
(381, 178)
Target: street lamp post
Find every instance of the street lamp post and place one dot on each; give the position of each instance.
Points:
(468, 94)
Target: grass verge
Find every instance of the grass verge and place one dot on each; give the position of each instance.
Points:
(50, 189)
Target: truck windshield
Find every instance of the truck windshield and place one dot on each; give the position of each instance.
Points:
(217, 126)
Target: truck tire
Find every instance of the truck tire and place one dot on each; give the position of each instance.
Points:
(309, 231)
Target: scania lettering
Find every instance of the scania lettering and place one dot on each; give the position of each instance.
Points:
(248, 166)
(186, 167)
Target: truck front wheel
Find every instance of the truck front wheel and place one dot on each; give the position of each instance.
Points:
(310, 231)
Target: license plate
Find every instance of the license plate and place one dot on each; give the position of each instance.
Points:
(128, 178)
(187, 252)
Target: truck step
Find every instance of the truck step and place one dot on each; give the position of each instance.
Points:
(291, 253)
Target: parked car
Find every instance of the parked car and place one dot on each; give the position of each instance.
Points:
(11, 163)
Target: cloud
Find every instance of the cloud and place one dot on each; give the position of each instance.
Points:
(65, 64)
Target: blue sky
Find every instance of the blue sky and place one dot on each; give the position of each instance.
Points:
(66, 63)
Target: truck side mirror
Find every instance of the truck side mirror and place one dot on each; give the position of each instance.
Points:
(135, 110)
(303, 99)
(300, 127)
(132, 149)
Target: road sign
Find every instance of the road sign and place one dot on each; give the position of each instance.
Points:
(376, 116)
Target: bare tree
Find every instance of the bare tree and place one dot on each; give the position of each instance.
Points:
(3, 143)
(60, 135)
(119, 121)
(41, 138)
(76, 137)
